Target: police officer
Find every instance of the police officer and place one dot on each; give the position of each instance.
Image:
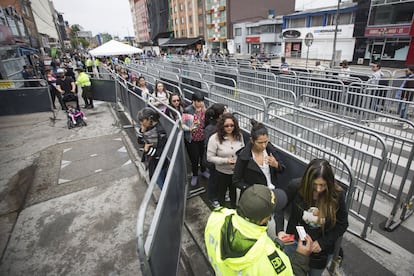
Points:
(237, 242)
(85, 82)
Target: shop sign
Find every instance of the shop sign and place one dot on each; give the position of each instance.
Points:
(291, 34)
(387, 31)
(253, 39)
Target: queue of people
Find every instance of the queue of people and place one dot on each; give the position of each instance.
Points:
(219, 151)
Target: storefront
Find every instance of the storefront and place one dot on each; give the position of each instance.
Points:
(253, 43)
(322, 46)
(388, 44)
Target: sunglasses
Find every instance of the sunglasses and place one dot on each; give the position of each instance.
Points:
(228, 126)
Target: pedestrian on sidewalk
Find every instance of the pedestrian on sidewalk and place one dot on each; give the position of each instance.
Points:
(85, 83)
(67, 87)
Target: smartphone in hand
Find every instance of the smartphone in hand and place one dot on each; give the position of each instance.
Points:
(301, 232)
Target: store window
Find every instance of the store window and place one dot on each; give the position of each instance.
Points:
(396, 50)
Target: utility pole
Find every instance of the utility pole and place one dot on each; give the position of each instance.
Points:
(335, 34)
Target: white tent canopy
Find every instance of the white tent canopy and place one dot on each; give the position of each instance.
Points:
(114, 48)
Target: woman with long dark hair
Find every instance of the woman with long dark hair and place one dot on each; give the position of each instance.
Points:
(221, 150)
(318, 204)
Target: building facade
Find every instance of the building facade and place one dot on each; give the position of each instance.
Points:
(319, 23)
(140, 21)
(388, 33)
(216, 25)
(261, 37)
(186, 18)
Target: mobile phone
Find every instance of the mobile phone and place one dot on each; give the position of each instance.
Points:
(301, 232)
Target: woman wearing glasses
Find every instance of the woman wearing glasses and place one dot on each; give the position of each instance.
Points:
(221, 150)
(175, 104)
(318, 204)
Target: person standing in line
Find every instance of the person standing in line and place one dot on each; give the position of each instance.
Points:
(85, 83)
(237, 242)
(258, 161)
(175, 103)
(221, 150)
(161, 96)
(406, 93)
(143, 88)
(213, 114)
(153, 137)
(318, 204)
(195, 141)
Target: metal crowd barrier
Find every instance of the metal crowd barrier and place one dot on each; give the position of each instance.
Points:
(365, 151)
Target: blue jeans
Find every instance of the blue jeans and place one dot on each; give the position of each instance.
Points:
(402, 110)
(291, 248)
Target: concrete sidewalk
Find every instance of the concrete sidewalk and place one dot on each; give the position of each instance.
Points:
(69, 198)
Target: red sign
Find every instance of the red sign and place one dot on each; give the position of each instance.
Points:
(253, 39)
(387, 31)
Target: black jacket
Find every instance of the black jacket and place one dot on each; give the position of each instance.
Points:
(248, 173)
(325, 239)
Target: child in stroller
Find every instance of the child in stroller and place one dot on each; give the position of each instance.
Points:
(74, 115)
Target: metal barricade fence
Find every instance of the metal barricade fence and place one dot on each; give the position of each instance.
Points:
(158, 248)
(398, 178)
(353, 136)
(367, 162)
(375, 120)
(298, 147)
(257, 77)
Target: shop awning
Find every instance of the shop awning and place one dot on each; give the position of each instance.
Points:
(24, 50)
(182, 42)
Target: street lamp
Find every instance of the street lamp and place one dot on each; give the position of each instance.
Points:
(335, 34)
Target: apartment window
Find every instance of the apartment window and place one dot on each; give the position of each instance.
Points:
(181, 7)
(191, 30)
(190, 6)
(182, 32)
(268, 28)
(316, 21)
(237, 31)
(176, 21)
(190, 18)
(175, 8)
(182, 20)
(254, 30)
(297, 22)
(346, 18)
(392, 14)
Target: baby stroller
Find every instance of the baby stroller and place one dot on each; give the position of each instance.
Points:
(75, 117)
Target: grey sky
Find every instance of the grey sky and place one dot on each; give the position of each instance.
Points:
(98, 16)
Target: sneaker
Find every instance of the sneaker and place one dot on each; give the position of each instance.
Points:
(205, 174)
(194, 179)
(215, 204)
